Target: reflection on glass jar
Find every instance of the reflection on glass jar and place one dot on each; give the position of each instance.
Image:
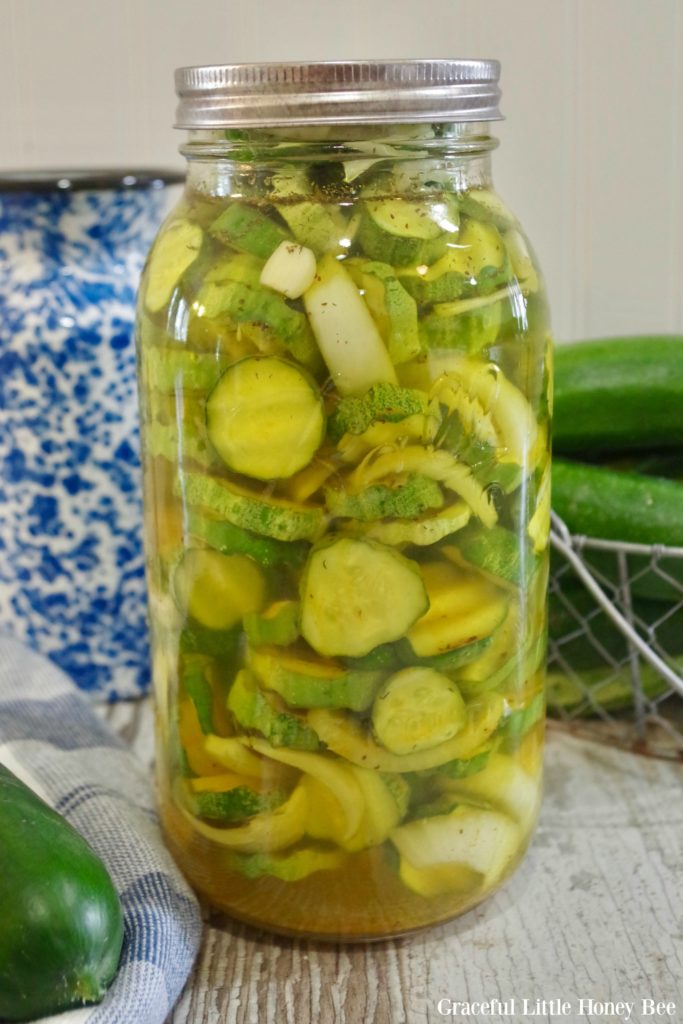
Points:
(344, 365)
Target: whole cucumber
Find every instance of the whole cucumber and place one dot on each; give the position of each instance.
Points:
(612, 505)
(62, 926)
(618, 394)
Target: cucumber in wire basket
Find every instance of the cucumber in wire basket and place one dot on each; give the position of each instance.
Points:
(618, 394)
(622, 506)
(613, 505)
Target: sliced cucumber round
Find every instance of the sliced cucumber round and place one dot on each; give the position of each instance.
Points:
(265, 418)
(400, 232)
(358, 594)
(417, 709)
(271, 517)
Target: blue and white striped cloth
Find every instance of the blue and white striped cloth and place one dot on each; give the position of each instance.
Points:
(51, 738)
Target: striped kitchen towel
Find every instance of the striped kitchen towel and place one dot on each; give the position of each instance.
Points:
(50, 738)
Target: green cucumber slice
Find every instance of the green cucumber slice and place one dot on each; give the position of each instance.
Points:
(265, 418)
(392, 307)
(358, 594)
(399, 232)
(496, 552)
(463, 325)
(253, 709)
(272, 830)
(417, 709)
(177, 369)
(249, 230)
(425, 462)
(483, 255)
(288, 867)
(273, 517)
(174, 251)
(484, 205)
(230, 799)
(522, 261)
(346, 737)
(444, 281)
(446, 662)
(254, 304)
(200, 691)
(222, 644)
(386, 403)
(233, 540)
(314, 225)
(164, 440)
(321, 226)
(306, 682)
(412, 498)
(278, 624)
(383, 657)
(521, 720)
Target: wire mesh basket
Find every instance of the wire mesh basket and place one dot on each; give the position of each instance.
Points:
(615, 654)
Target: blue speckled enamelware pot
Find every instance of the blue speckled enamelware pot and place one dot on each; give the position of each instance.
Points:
(71, 566)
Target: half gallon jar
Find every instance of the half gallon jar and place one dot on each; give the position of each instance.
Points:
(344, 368)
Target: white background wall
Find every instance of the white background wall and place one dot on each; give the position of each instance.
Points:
(592, 148)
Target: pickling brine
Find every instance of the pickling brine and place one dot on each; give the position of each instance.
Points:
(344, 365)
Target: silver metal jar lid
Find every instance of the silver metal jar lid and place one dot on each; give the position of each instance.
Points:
(332, 92)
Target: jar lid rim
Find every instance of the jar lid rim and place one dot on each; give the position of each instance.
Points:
(94, 179)
(337, 92)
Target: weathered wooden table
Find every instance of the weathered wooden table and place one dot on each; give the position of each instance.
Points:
(595, 913)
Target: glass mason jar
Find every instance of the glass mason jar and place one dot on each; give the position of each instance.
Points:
(344, 365)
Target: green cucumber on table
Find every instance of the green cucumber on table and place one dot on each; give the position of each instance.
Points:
(62, 925)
